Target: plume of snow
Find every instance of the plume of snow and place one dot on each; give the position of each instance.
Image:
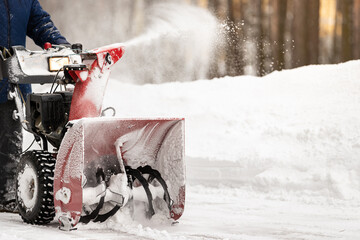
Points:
(177, 45)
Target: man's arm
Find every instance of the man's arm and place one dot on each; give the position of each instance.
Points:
(41, 29)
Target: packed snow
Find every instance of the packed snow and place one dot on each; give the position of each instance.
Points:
(275, 157)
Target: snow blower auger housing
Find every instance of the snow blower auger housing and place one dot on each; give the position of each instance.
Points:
(98, 165)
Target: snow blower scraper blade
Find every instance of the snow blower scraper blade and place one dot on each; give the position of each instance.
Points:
(106, 164)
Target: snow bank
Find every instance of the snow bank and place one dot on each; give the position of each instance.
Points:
(291, 131)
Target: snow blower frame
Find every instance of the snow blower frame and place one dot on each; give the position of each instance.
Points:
(99, 165)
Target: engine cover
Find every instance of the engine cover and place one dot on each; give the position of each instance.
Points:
(47, 112)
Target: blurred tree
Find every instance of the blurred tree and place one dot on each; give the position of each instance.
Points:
(278, 21)
(336, 58)
(305, 32)
(263, 37)
(299, 33)
(347, 30)
(313, 27)
(265, 51)
(214, 6)
(326, 31)
(235, 38)
(356, 29)
(260, 35)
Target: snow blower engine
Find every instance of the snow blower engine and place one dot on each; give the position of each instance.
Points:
(97, 166)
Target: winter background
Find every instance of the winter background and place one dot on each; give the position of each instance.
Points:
(274, 157)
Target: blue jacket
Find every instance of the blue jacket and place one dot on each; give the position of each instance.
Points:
(21, 18)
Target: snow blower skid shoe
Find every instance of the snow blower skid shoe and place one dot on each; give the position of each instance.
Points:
(105, 164)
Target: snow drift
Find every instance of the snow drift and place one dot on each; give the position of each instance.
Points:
(292, 131)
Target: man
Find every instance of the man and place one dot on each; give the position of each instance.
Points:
(18, 19)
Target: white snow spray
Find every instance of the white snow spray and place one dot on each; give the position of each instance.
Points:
(178, 44)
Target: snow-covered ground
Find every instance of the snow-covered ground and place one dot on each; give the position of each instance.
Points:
(267, 158)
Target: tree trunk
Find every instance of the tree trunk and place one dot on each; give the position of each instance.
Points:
(356, 29)
(266, 59)
(313, 29)
(336, 57)
(346, 41)
(235, 60)
(299, 57)
(278, 33)
(305, 32)
(261, 39)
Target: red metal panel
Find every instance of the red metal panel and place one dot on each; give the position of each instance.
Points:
(88, 94)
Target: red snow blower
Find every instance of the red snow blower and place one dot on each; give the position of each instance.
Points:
(98, 165)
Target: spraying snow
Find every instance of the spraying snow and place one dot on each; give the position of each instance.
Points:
(177, 45)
